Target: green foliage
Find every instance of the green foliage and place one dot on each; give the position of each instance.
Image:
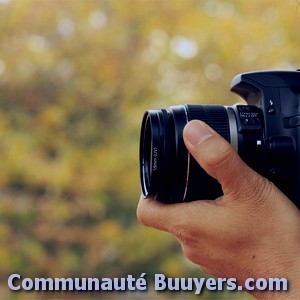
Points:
(75, 79)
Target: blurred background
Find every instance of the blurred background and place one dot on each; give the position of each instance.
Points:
(75, 79)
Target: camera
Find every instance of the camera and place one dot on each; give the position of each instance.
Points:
(265, 133)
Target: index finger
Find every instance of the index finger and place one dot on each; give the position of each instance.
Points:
(177, 217)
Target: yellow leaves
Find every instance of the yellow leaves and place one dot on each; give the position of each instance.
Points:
(109, 230)
(174, 270)
(75, 79)
(5, 259)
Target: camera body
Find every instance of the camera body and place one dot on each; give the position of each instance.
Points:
(265, 133)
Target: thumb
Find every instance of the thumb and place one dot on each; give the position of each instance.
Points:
(218, 158)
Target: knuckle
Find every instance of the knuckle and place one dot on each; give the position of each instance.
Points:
(144, 213)
(141, 216)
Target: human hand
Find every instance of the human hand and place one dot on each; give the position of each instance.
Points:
(253, 230)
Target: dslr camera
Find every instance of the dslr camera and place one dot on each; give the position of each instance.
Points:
(265, 133)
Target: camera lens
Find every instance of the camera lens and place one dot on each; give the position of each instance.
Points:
(167, 171)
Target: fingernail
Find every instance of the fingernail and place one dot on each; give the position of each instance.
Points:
(196, 132)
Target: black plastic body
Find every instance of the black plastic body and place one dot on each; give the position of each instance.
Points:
(265, 133)
(277, 95)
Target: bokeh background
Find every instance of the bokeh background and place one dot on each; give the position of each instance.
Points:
(75, 79)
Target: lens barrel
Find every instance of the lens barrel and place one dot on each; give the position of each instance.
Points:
(167, 171)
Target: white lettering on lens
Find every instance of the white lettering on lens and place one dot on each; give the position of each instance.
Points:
(155, 154)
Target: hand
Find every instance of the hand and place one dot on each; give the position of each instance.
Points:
(253, 230)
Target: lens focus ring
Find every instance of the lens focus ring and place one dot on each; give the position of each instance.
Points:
(214, 115)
